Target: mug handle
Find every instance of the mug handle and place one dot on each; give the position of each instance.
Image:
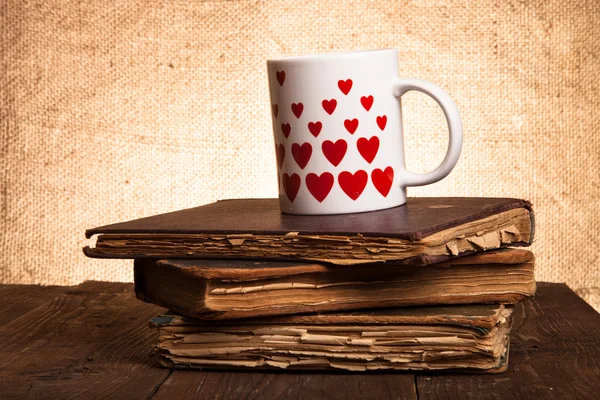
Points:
(407, 178)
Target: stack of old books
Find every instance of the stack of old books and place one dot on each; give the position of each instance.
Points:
(426, 286)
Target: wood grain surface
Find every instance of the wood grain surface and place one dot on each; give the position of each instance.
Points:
(93, 341)
(274, 386)
(555, 353)
(18, 300)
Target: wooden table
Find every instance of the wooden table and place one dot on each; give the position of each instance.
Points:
(93, 341)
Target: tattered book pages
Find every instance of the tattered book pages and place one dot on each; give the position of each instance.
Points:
(423, 231)
(228, 289)
(470, 338)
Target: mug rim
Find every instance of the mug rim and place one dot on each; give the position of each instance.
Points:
(325, 56)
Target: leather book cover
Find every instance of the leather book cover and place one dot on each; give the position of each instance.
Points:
(481, 316)
(255, 228)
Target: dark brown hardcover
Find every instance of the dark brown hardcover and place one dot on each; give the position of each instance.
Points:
(418, 219)
(481, 316)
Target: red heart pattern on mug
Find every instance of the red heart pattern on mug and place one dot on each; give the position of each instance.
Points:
(302, 154)
(368, 148)
(280, 77)
(297, 109)
(319, 186)
(286, 129)
(329, 105)
(334, 152)
(291, 186)
(367, 102)
(280, 155)
(381, 121)
(345, 85)
(351, 125)
(382, 180)
(315, 128)
(353, 184)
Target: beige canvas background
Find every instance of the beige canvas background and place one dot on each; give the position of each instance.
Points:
(115, 110)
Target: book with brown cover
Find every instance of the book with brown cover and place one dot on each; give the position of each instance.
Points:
(467, 338)
(223, 289)
(423, 231)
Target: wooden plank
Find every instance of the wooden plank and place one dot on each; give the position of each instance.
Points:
(90, 342)
(286, 385)
(18, 300)
(555, 349)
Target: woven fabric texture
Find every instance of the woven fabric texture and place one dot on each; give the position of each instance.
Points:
(121, 109)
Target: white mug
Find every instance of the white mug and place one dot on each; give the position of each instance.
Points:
(338, 132)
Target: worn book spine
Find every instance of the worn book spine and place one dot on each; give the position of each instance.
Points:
(231, 292)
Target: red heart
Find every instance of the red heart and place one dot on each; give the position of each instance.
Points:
(366, 102)
(351, 125)
(302, 154)
(280, 77)
(334, 152)
(315, 128)
(329, 105)
(275, 108)
(345, 86)
(297, 109)
(368, 148)
(286, 129)
(381, 122)
(280, 155)
(353, 184)
(319, 186)
(382, 180)
(291, 185)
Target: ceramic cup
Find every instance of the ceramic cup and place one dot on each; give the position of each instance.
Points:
(337, 123)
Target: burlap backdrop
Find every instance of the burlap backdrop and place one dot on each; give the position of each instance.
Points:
(115, 110)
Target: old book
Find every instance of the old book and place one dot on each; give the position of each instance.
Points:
(425, 230)
(221, 289)
(471, 337)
